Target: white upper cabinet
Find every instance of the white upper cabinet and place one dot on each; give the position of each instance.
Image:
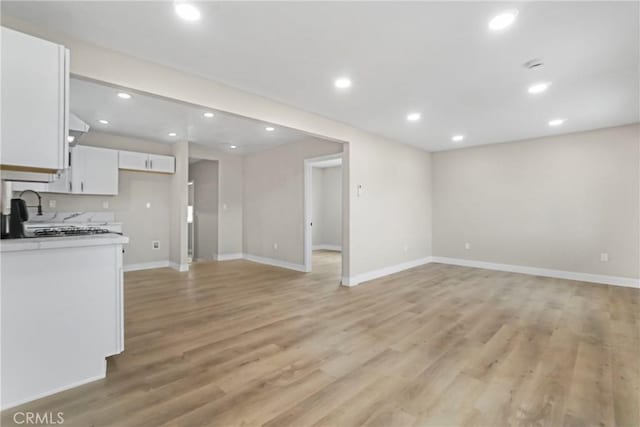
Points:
(34, 102)
(158, 163)
(131, 160)
(94, 170)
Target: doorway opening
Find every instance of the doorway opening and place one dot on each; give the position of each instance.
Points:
(202, 211)
(323, 209)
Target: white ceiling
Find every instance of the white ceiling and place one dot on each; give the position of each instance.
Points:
(438, 58)
(153, 118)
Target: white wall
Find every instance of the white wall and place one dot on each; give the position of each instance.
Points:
(135, 189)
(230, 175)
(204, 175)
(391, 219)
(317, 210)
(327, 207)
(178, 251)
(555, 202)
(369, 160)
(332, 206)
(274, 199)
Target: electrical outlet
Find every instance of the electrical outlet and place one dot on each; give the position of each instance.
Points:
(406, 248)
(148, 205)
(467, 245)
(105, 204)
(155, 244)
(275, 246)
(224, 207)
(604, 257)
(52, 203)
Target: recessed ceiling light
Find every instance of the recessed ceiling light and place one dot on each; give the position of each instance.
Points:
(342, 83)
(503, 20)
(539, 87)
(414, 117)
(233, 147)
(187, 11)
(269, 129)
(124, 95)
(172, 134)
(556, 122)
(103, 121)
(457, 138)
(208, 114)
(71, 138)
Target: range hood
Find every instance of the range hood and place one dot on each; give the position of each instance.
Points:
(77, 128)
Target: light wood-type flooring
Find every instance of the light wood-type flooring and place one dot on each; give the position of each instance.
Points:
(237, 343)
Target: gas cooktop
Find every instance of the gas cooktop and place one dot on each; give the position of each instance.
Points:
(67, 231)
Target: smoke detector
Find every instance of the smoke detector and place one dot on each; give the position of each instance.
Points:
(533, 63)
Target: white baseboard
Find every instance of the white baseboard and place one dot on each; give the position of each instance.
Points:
(57, 389)
(180, 267)
(375, 274)
(228, 257)
(275, 262)
(545, 272)
(336, 248)
(146, 265)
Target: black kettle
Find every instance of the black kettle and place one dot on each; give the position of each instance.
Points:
(19, 214)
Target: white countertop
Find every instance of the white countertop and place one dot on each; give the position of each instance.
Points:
(37, 243)
(31, 224)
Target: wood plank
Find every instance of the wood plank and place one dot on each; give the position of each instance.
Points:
(238, 343)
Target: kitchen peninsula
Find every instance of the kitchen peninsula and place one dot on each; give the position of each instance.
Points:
(62, 312)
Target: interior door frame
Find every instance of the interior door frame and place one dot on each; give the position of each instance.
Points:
(308, 191)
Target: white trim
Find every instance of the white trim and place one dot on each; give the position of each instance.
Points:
(229, 257)
(535, 271)
(375, 274)
(57, 389)
(146, 265)
(180, 267)
(308, 232)
(275, 262)
(336, 248)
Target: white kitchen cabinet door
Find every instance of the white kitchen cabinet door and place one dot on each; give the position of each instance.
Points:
(133, 161)
(34, 102)
(94, 170)
(61, 184)
(165, 164)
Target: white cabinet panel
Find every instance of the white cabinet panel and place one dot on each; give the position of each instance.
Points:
(94, 170)
(61, 184)
(41, 187)
(133, 161)
(166, 164)
(34, 102)
(67, 301)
